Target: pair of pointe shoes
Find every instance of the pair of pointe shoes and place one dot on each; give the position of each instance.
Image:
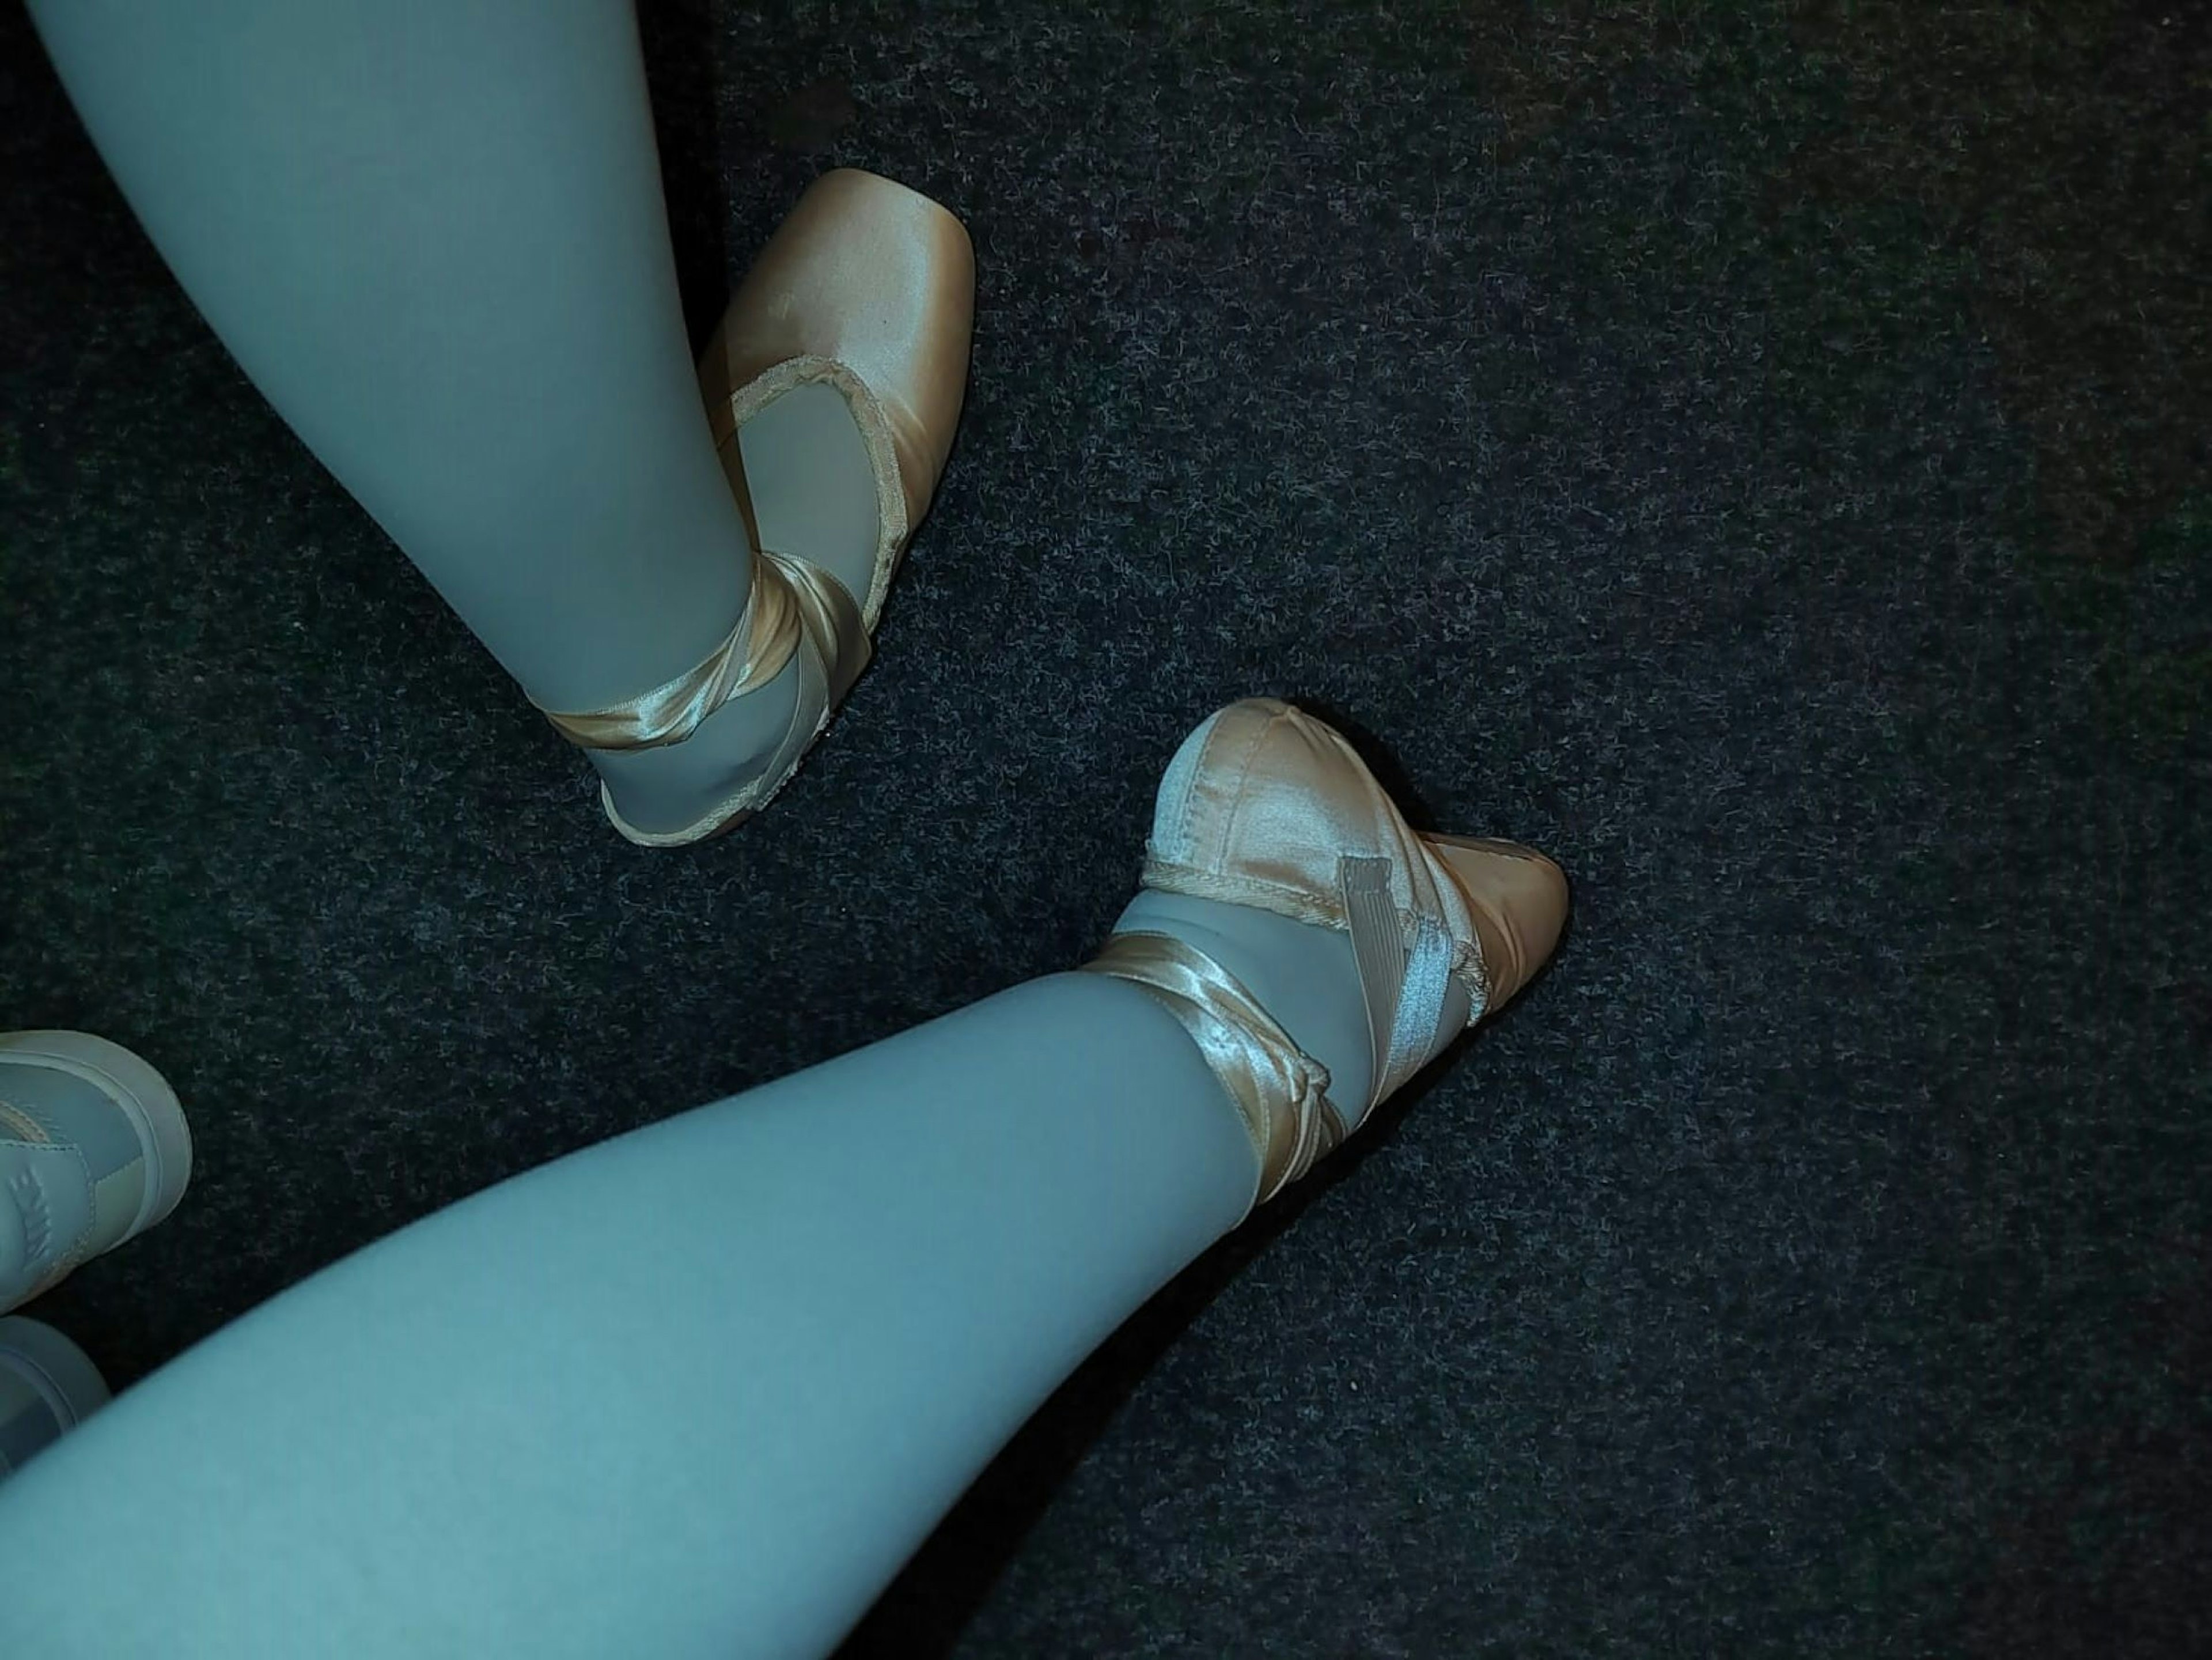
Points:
(869, 289)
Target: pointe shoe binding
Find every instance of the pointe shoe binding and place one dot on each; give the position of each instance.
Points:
(1264, 806)
(867, 289)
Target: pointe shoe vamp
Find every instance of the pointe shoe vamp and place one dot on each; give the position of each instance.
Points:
(1263, 805)
(878, 278)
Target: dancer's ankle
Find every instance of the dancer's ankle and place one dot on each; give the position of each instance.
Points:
(664, 789)
(1303, 974)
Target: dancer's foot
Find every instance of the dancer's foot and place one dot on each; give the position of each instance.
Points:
(1317, 949)
(834, 383)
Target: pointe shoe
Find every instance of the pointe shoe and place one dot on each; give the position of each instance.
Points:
(94, 1151)
(861, 309)
(1264, 806)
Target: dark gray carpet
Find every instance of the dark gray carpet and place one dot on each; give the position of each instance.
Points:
(1757, 451)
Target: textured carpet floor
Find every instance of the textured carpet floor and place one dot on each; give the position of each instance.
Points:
(1756, 451)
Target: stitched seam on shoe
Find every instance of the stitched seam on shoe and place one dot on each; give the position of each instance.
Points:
(1188, 806)
(1240, 772)
(1169, 836)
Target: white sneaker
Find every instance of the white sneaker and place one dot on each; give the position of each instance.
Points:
(94, 1151)
(47, 1387)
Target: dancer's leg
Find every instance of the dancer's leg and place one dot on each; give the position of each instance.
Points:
(432, 232)
(699, 1390)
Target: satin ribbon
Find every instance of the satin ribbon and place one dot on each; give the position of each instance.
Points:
(790, 600)
(1279, 1092)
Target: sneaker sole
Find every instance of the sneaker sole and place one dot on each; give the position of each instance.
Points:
(56, 1369)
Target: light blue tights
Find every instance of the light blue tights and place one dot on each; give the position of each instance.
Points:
(701, 1389)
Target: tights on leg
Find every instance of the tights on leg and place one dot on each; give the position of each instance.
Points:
(698, 1391)
(432, 232)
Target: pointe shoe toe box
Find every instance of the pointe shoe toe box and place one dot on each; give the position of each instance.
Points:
(875, 279)
(1518, 900)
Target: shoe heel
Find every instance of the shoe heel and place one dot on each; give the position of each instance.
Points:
(145, 1097)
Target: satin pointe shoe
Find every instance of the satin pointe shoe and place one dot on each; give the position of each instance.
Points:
(856, 317)
(1265, 805)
